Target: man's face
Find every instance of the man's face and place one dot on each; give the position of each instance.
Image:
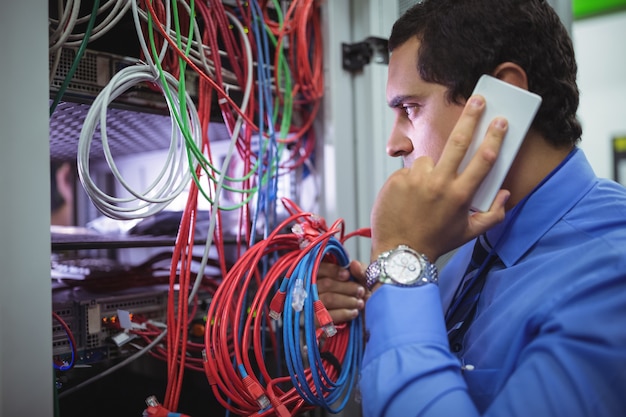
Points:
(423, 117)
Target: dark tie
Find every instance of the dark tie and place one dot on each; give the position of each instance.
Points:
(463, 307)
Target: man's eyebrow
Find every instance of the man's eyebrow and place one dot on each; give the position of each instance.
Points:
(399, 100)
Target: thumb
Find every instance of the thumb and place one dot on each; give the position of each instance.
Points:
(357, 269)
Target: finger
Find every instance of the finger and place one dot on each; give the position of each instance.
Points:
(487, 153)
(343, 315)
(357, 270)
(344, 288)
(479, 222)
(341, 302)
(461, 136)
(330, 270)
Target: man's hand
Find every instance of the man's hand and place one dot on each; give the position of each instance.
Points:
(342, 297)
(426, 206)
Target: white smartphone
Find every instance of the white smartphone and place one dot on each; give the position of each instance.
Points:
(519, 107)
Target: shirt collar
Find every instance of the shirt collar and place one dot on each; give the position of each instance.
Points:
(534, 216)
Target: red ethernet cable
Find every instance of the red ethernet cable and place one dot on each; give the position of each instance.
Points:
(240, 323)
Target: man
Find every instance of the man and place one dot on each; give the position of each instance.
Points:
(544, 332)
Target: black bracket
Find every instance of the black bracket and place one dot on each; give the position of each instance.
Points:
(356, 55)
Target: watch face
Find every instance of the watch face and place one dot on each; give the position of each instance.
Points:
(403, 267)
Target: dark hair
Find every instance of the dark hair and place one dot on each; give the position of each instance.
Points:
(463, 39)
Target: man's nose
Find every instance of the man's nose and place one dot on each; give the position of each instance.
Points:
(398, 144)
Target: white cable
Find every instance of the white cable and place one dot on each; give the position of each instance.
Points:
(115, 15)
(63, 34)
(142, 42)
(174, 175)
(103, 7)
(65, 24)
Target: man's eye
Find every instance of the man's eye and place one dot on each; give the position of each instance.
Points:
(410, 109)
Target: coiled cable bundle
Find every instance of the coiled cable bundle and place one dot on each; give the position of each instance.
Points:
(267, 314)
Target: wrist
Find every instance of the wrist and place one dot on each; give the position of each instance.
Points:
(401, 266)
(375, 287)
(380, 248)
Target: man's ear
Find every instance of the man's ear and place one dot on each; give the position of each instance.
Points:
(512, 74)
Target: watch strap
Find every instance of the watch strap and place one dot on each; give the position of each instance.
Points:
(372, 274)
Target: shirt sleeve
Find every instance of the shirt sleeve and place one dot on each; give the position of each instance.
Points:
(407, 367)
(571, 359)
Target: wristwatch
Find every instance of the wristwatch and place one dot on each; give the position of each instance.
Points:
(403, 267)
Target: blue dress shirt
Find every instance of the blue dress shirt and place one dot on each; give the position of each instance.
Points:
(549, 335)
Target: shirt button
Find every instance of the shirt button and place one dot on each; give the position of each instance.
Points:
(457, 347)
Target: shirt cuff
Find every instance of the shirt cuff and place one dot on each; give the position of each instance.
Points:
(400, 315)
